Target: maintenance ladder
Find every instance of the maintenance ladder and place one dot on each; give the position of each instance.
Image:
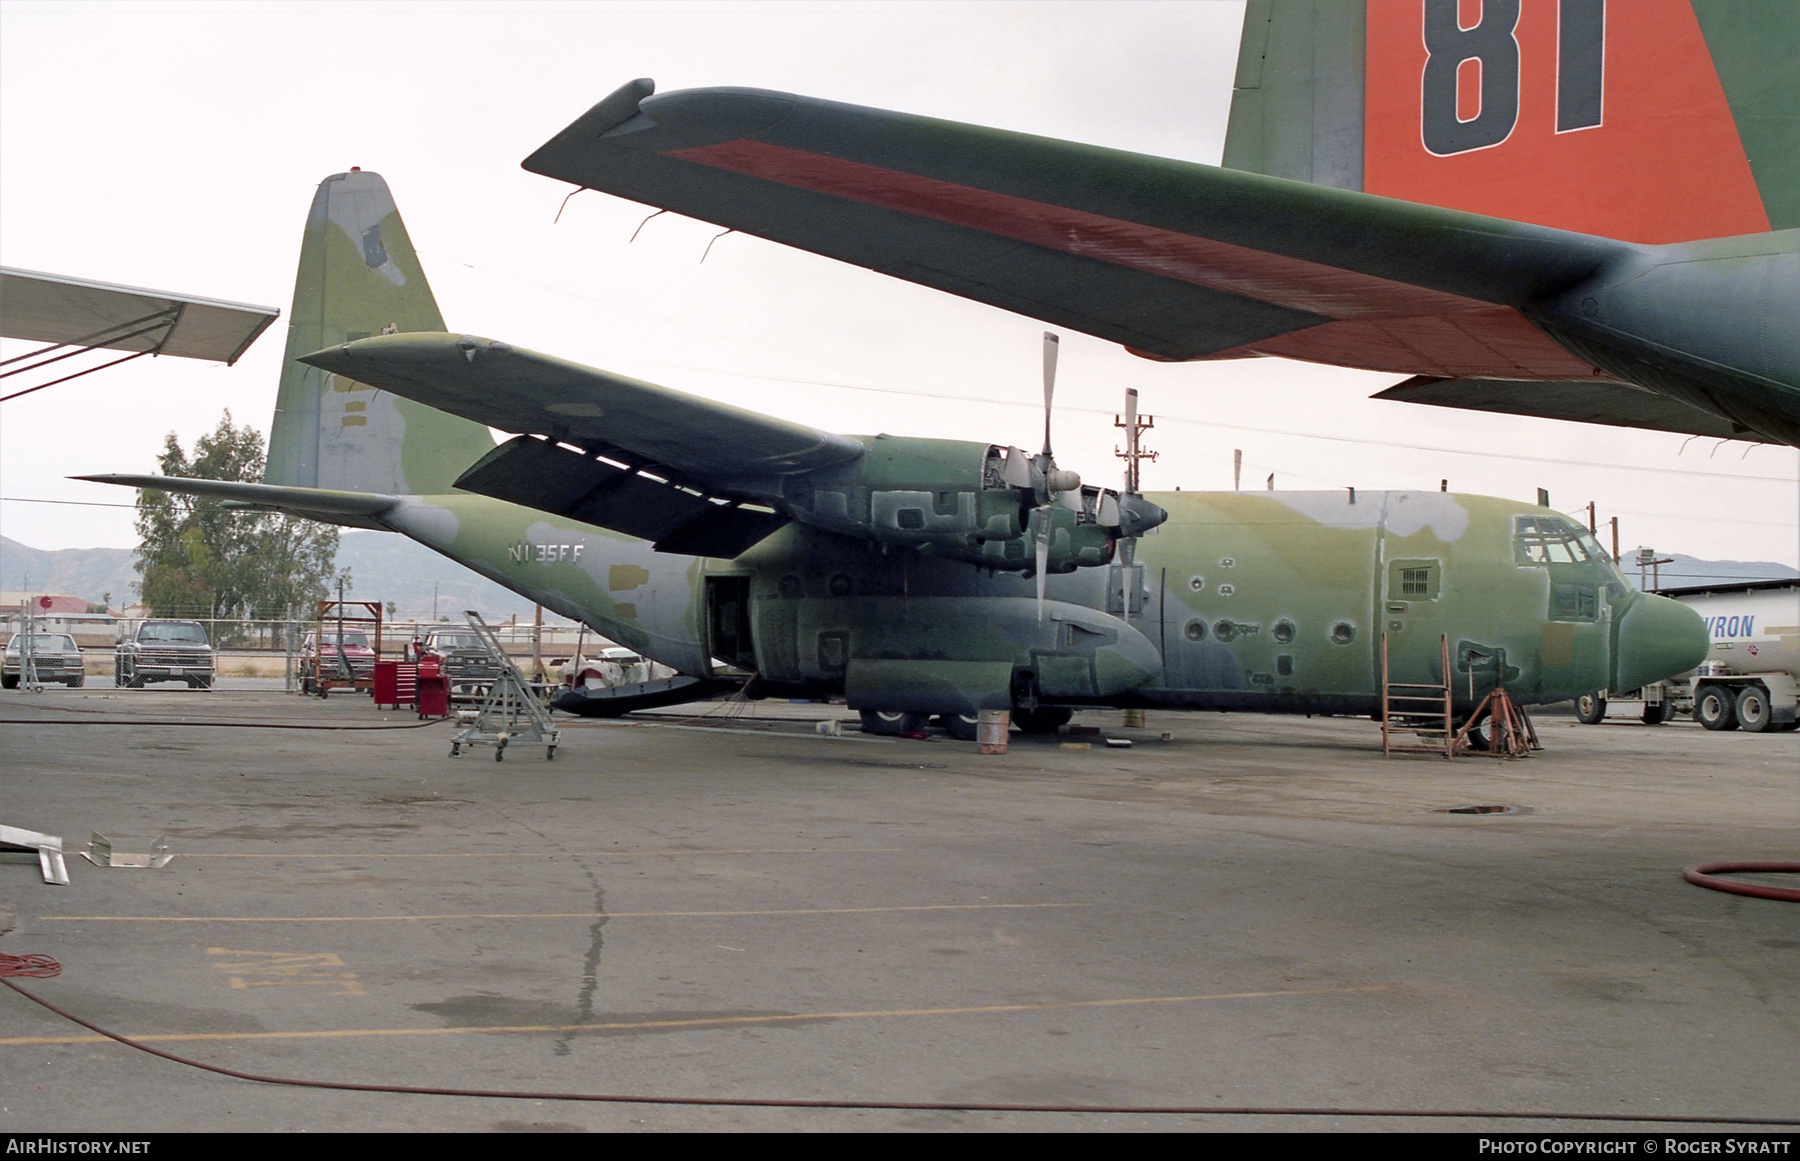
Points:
(1424, 709)
(511, 711)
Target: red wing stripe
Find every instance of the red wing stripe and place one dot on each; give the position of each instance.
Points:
(1256, 274)
(1493, 343)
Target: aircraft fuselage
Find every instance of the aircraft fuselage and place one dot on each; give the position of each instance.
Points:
(1272, 602)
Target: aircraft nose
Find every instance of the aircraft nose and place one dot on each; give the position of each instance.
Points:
(1658, 638)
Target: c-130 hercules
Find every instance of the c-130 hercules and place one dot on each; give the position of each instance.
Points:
(911, 576)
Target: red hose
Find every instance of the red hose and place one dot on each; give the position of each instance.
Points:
(1701, 875)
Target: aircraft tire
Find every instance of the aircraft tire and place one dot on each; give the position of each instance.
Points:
(1753, 708)
(1590, 708)
(962, 727)
(891, 724)
(1715, 708)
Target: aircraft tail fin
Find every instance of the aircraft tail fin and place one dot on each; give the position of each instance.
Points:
(1651, 121)
(358, 277)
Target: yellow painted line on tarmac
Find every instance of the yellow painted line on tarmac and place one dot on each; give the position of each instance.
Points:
(671, 853)
(707, 1022)
(746, 914)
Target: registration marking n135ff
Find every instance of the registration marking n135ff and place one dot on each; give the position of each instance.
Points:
(545, 553)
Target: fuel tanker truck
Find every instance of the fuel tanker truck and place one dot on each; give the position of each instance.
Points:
(1751, 676)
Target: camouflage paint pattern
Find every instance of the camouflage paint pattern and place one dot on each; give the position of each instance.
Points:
(1267, 601)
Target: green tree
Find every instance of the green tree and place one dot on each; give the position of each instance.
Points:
(197, 554)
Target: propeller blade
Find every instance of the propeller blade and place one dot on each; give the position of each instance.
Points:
(1051, 344)
(1043, 564)
(1016, 472)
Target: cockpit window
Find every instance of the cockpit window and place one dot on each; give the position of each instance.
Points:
(1549, 540)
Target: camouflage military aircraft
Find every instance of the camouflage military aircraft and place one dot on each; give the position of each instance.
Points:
(1567, 209)
(914, 577)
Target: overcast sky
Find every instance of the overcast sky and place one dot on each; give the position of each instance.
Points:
(177, 146)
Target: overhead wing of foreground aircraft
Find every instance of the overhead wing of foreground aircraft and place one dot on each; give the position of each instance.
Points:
(910, 576)
(75, 315)
(1569, 209)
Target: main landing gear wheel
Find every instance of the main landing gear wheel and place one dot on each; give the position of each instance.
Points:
(1715, 708)
(892, 723)
(1753, 708)
(962, 727)
(1590, 708)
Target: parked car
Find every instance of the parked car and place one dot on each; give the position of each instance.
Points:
(55, 656)
(465, 660)
(165, 651)
(322, 649)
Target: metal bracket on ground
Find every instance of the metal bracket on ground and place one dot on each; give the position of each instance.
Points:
(47, 847)
(100, 853)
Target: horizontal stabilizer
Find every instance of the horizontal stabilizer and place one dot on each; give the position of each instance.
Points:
(327, 505)
(539, 474)
(640, 423)
(1583, 401)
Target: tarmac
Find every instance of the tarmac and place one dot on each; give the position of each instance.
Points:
(1258, 912)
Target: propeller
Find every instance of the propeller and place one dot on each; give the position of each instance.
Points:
(1049, 482)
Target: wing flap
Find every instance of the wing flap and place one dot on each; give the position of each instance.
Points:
(1581, 400)
(522, 391)
(537, 473)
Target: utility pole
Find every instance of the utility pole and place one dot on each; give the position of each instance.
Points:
(1135, 426)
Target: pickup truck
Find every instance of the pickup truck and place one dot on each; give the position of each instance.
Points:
(164, 651)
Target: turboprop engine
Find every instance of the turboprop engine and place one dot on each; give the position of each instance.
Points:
(975, 502)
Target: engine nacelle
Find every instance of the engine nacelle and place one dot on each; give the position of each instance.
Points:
(966, 501)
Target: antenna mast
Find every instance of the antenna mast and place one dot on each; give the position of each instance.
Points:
(1134, 426)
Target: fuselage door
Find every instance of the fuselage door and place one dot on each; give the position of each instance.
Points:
(728, 621)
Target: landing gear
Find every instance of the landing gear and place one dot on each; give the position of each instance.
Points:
(1590, 708)
(962, 727)
(1715, 708)
(892, 723)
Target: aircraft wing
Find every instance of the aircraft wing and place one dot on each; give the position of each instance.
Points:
(1172, 259)
(326, 505)
(692, 475)
(1583, 401)
(75, 312)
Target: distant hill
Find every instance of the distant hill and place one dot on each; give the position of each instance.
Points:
(383, 567)
(1682, 571)
(79, 572)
